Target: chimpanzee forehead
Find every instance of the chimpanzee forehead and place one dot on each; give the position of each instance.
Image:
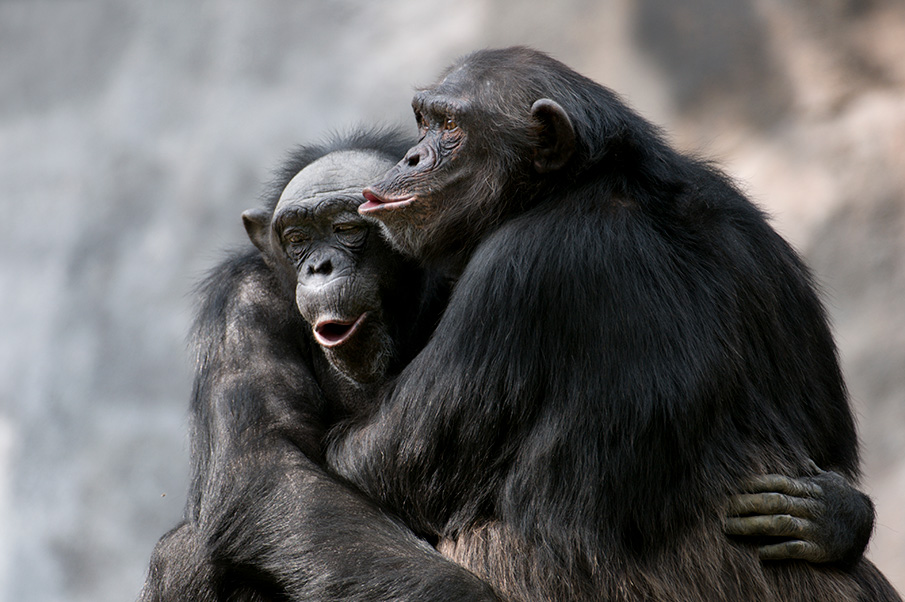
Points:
(340, 174)
(465, 88)
(460, 81)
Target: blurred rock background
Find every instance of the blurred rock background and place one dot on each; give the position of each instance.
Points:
(132, 135)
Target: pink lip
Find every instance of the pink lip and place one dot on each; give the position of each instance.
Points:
(374, 204)
(333, 333)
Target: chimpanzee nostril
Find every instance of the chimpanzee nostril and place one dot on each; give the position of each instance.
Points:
(413, 159)
(320, 267)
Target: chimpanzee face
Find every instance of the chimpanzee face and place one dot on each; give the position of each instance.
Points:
(484, 147)
(342, 266)
(429, 179)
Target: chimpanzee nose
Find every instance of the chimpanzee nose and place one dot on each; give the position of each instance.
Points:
(320, 266)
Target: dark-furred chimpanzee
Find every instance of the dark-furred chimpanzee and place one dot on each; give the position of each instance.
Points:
(627, 341)
(264, 520)
(278, 363)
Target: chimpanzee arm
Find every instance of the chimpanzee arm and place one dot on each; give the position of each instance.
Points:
(504, 389)
(299, 530)
(266, 517)
(820, 517)
(180, 569)
(551, 359)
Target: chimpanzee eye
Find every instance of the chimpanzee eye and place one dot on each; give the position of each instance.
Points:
(295, 237)
(449, 124)
(347, 228)
(351, 234)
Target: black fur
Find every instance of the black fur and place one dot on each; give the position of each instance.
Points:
(264, 519)
(627, 341)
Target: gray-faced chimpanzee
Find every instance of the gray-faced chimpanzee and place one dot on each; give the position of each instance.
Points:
(627, 342)
(290, 338)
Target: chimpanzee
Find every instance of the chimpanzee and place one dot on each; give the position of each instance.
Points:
(264, 520)
(297, 335)
(627, 341)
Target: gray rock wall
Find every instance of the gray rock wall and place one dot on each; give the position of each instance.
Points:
(133, 134)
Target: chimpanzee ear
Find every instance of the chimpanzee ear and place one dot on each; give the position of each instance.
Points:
(556, 135)
(257, 225)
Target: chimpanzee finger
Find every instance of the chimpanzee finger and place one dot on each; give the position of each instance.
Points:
(777, 525)
(815, 470)
(781, 484)
(770, 503)
(792, 550)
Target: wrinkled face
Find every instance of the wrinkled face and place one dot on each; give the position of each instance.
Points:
(417, 200)
(483, 142)
(342, 265)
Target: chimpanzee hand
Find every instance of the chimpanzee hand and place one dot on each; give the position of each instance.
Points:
(820, 518)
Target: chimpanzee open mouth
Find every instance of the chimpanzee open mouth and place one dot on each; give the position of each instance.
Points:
(333, 333)
(374, 203)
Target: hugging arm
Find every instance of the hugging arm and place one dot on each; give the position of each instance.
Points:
(264, 520)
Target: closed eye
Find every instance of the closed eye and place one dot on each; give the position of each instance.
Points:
(347, 228)
(351, 234)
